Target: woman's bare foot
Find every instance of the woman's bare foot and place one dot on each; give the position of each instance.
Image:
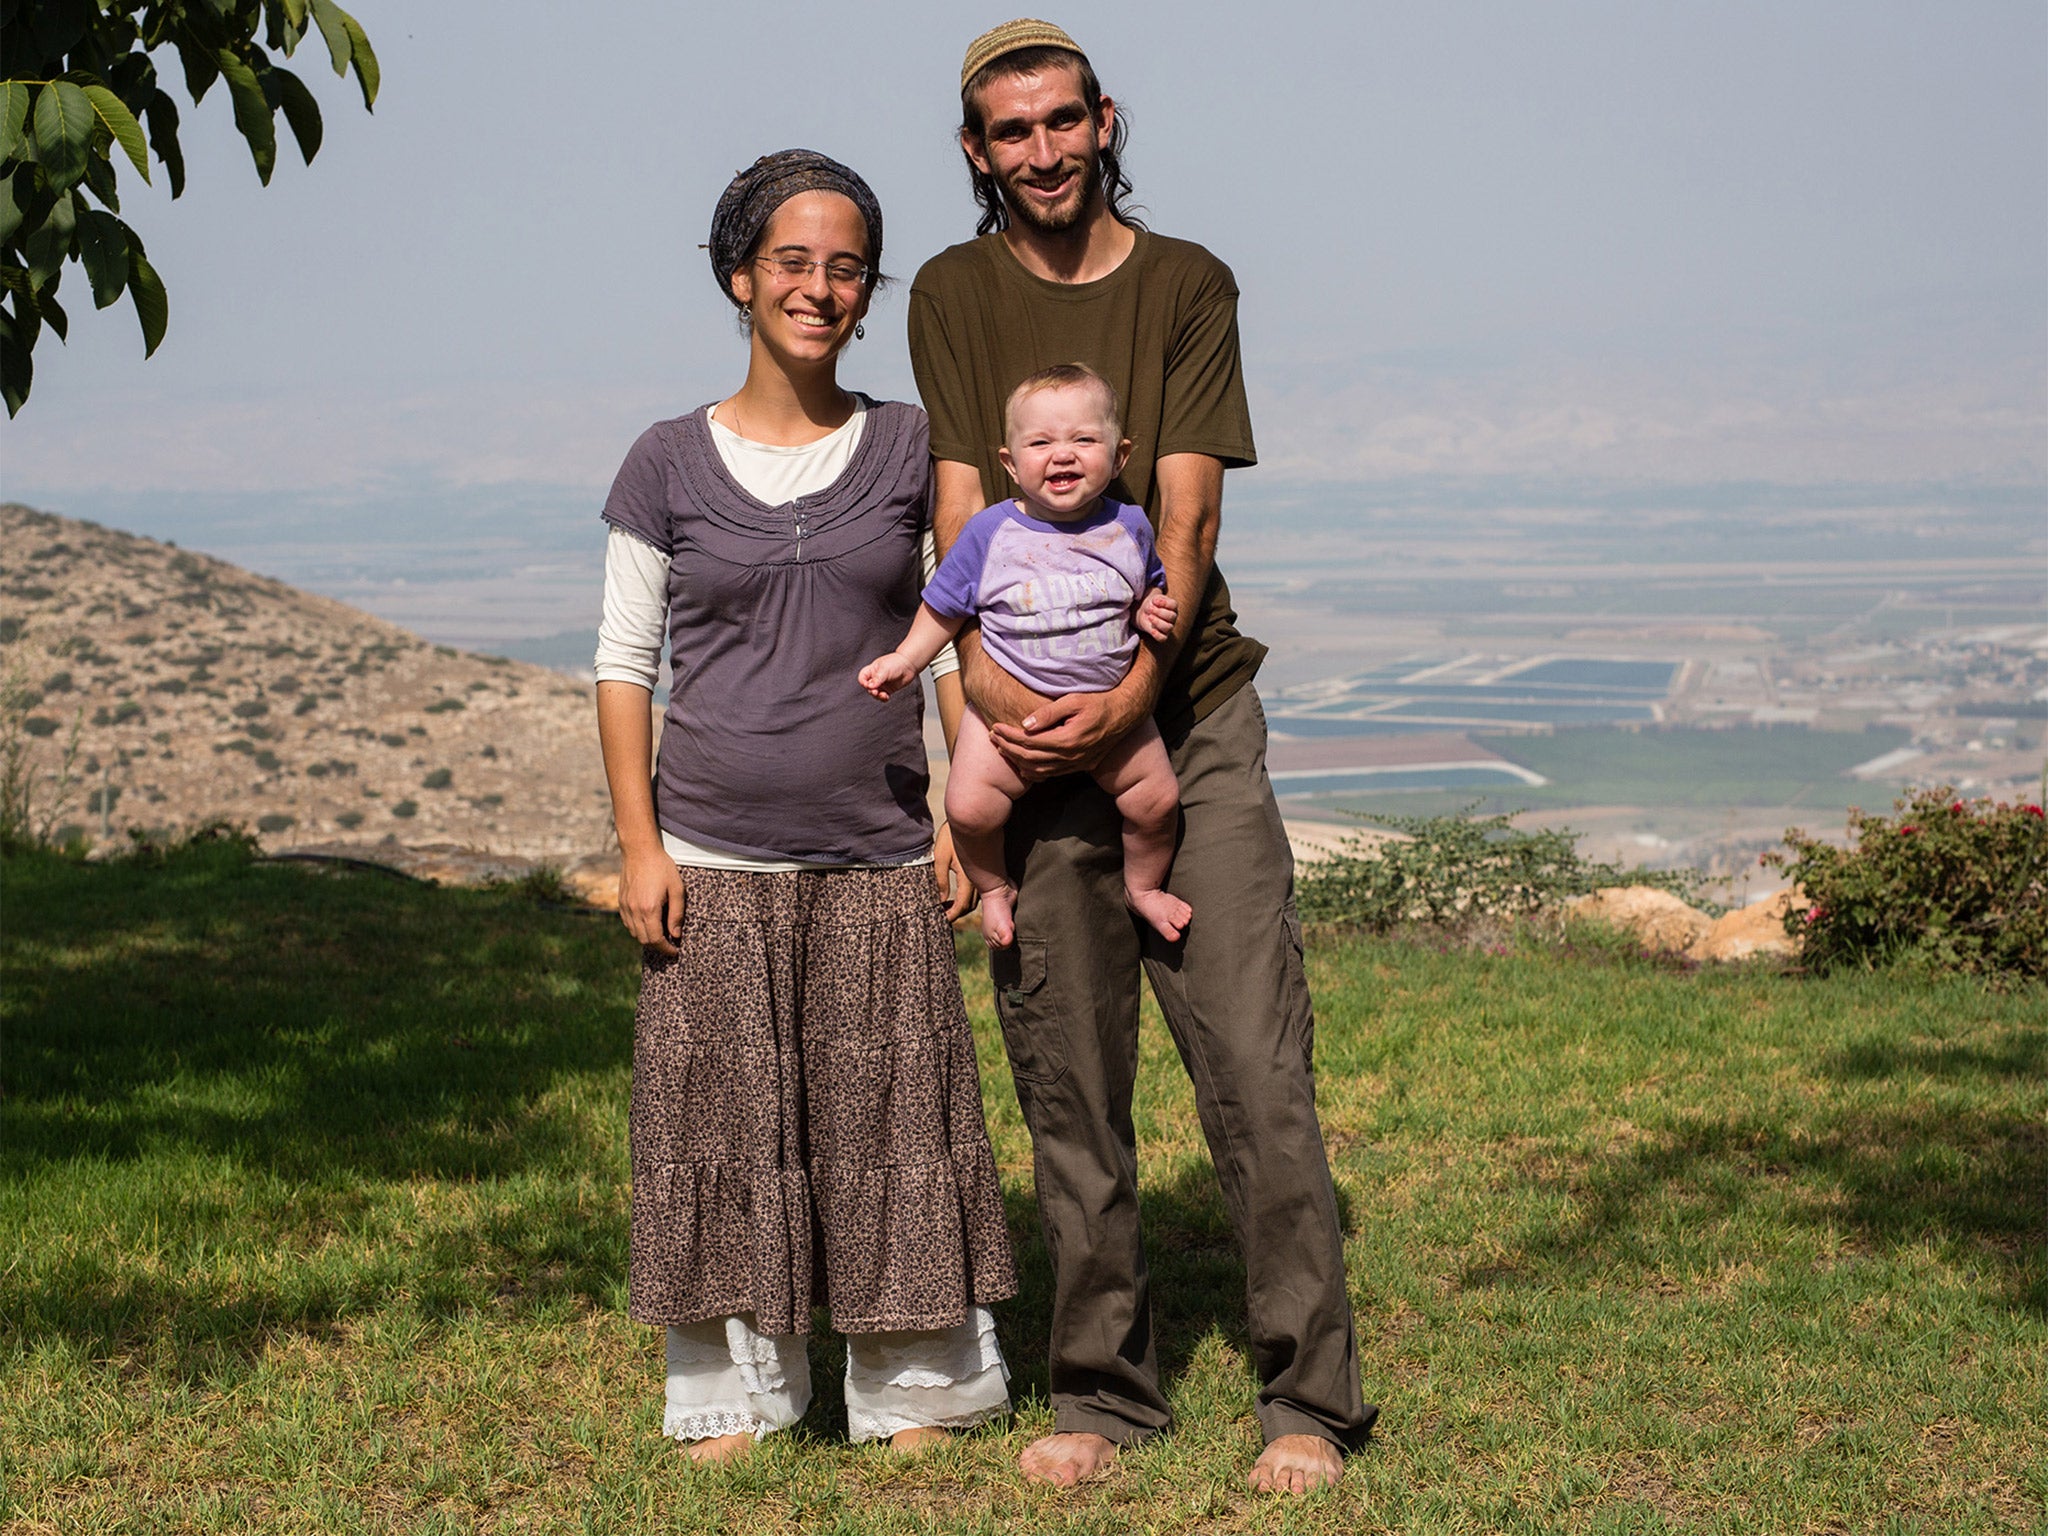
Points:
(998, 921)
(1296, 1464)
(1067, 1459)
(1167, 913)
(918, 1439)
(716, 1448)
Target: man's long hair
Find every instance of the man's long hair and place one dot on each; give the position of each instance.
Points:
(1116, 186)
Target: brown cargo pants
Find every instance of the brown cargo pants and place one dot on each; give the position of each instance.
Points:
(1236, 999)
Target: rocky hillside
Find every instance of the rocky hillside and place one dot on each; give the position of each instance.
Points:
(182, 689)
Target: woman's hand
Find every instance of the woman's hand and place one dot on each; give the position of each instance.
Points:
(955, 889)
(651, 900)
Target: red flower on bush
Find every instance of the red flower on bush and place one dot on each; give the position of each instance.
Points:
(2032, 810)
(1908, 830)
(1956, 809)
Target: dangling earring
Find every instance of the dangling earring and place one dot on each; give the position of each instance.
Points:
(746, 314)
(860, 332)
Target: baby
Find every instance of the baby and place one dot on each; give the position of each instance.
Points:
(1053, 576)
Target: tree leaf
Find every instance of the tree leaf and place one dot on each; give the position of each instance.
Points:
(12, 211)
(162, 113)
(56, 26)
(146, 289)
(17, 343)
(99, 177)
(333, 25)
(113, 111)
(65, 122)
(49, 241)
(252, 111)
(368, 76)
(301, 111)
(201, 69)
(103, 248)
(295, 12)
(45, 301)
(13, 119)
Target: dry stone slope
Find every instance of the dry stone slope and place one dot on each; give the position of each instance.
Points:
(200, 690)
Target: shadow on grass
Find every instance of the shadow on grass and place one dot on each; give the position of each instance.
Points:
(1196, 1268)
(255, 1049)
(1894, 1176)
(318, 1026)
(227, 1058)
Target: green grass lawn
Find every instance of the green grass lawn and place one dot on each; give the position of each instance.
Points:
(314, 1189)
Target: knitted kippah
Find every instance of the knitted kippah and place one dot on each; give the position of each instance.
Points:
(1008, 38)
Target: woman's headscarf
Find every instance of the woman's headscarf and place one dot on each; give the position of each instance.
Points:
(755, 193)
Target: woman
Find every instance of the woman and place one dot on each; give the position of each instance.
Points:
(806, 1113)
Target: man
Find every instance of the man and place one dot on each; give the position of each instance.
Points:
(1061, 274)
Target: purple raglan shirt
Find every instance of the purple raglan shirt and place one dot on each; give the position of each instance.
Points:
(1055, 600)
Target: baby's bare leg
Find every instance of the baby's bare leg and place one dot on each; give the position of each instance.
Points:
(979, 790)
(1140, 775)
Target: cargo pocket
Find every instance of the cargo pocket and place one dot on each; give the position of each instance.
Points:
(1030, 1017)
(1300, 1010)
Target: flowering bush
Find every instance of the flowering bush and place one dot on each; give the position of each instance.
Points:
(1941, 884)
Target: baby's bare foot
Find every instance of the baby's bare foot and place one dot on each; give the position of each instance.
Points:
(918, 1439)
(998, 922)
(1165, 912)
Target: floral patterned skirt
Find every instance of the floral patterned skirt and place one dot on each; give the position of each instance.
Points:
(806, 1115)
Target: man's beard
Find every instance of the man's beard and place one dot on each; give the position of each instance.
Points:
(1062, 217)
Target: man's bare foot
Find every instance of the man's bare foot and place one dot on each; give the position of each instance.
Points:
(1296, 1464)
(716, 1448)
(1067, 1459)
(918, 1439)
(998, 924)
(1167, 913)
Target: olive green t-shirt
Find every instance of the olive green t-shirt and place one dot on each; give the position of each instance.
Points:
(1162, 328)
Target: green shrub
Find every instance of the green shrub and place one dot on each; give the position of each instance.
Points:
(275, 822)
(348, 821)
(406, 808)
(1452, 870)
(440, 778)
(445, 706)
(1942, 884)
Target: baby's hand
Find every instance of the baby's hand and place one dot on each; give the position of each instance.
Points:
(1157, 613)
(886, 674)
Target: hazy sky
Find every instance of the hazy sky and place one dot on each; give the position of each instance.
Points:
(1561, 242)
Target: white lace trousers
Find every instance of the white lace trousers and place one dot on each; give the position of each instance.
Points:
(724, 1378)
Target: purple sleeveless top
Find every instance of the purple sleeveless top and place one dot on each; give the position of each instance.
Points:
(769, 746)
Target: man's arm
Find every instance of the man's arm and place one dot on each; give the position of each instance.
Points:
(1070, 734)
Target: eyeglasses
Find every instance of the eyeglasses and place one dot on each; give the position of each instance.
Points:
(840, 274)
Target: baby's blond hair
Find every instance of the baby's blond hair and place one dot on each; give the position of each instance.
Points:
(1065, 376)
